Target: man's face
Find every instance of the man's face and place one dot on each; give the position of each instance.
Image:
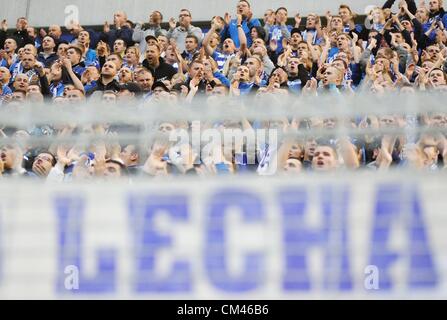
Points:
(21, 24)
(310, 147)
(243, 9)
(10, 45)
(8, 154)
(197, 69)
(119, 46)
(73, 55)
(48, 43)
(129, 155)
(191, 44)
(302, 48)
(436, 77)
(338, 64)
(228, 46)
(84, 37)
(337, 23)
(433, 5)
(159, 92)
(33, 89)
(31, 32)
(433, 51)
(329, 123)
(253, 66)
(398, 37)
(18, 96)
(4, 74)
(21, 82)
(163, 41)
(74, 96)
(155, 18)
(42, 164)
(427, 65)
(62, 50)
(152, 54)
(244, 73)
(324, 159)
(407, 25)
(257, 43)
(119, 18)
(292, 66)
(279, 76)
(20, 53)
(166, 127)
(125, 75)
(345, 15)
(387, 121)
(184, 18)
(55, 31)
(295, 39)
(438, 120)
(331, 76)
(29, 49)
(145, 80)
(342, 41)
(109, 69)
(108, 97)
(115, 60)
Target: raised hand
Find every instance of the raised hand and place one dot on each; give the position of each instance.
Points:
(4, 25)
(106, 27)
(239, 19)
(227, 18)
(297, 20)
(172, 23)
(273, 44)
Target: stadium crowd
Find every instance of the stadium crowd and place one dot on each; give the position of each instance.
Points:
(399, 49)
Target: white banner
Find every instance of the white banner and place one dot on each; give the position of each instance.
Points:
(47, 12)
(312, 236)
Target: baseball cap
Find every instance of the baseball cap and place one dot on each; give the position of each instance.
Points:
(161, 85)
(150, 37)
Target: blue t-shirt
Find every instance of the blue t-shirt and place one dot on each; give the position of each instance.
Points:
(275, 32)
(231, 31)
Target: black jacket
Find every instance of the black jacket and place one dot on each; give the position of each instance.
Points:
(114, 86)
(163, 72)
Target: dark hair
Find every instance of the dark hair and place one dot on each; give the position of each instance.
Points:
(123, 168)
(125, 43)
(53, 161)
(77, 49)
(191, 36)
(281, 8)
(189, 12)
(245, 2)
(260, 31)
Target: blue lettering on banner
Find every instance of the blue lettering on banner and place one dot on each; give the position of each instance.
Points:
(215, 258)
(393, 202)
(332, 236)
(147, 240)
(70, 213)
